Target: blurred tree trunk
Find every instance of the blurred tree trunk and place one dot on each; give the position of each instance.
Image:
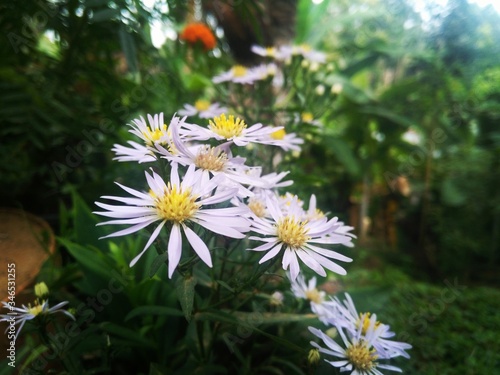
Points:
(245, 23)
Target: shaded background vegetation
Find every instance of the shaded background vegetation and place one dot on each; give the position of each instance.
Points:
(74, 72)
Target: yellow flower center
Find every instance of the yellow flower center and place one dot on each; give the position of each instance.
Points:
(176, 205)
(314, 296)
(307, 116)
(292, 232)
(257, 208)
(364, 320)
(270, 51)
(35, 310)
(211, 159)
(202, 105)
(305, 47)
(227, 127)
(278, 134)
(239, 71)
(153, 136)
(362, 358)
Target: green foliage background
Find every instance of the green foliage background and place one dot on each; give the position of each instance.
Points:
(74, 72)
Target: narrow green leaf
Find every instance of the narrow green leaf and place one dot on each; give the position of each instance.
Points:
(153, 310)
(185, 292)
(225, 285)
(132, 337)
(157, 263)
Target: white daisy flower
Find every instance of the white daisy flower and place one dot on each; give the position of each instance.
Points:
(286, 141)
(237, 74)
(308, 290)
(202, 109)
(298, 238)
(317, 298)
(269, 181)
(307, 118)
(348, 317)
(264, 51)
(229, 128)
(311, 55)
(22, 315)
(359, 357)
(313, 212)
(137, 152)
(177, 204)
(152, 133)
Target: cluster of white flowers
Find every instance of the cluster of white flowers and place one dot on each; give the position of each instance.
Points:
(212, 188)
(365, 340)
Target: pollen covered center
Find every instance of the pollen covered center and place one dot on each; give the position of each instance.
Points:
(227, 127)
(153, 136)
(361, 357)
(239, 71)
(293, 232)
(278, 134)
(211, 159)
(176, 205)
(364, 321)
(257, 207)
(314, 295)
(35, 310)
(202, 105)
(307, 116)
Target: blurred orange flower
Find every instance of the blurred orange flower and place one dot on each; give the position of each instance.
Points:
(199, 32)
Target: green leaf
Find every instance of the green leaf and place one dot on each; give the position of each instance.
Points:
(105, 15)
(153, 310)
(157, 263)
(88, 257)
(128, 48)
(185, 292)
(85, 230)
(451, 193)
(344, 154)
(225, 285)
(130, 336)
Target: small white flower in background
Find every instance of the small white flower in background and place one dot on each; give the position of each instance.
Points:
(264, 51)
(290, 200)
(276, 299)
(319, 305)
(312, 55)
(298, 238)
(269, 181)
(347, 316)
(257, 204)
(412, 137)
(307, 118)
(285, 53)
(358, 356)
(319, 90)
(313, 212)
(237, 74)
(287, 141)
(337, 88)
(202, 109)
(22, 315)
(308, 290)
(230, 128)
(177, 204)
(137, 152)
